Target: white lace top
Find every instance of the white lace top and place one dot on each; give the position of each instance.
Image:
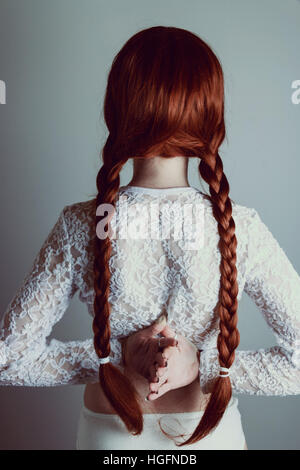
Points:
(149, 276)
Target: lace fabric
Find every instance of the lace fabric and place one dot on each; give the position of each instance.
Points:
(151, 275)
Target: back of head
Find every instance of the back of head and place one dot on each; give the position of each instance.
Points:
(165, 96)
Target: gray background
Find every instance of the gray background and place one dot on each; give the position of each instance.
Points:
(54, 58)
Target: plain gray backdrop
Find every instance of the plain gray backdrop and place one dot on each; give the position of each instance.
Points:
(54, 58)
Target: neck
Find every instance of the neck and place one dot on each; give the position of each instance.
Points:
(160, 172)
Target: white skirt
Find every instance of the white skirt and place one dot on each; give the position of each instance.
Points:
(101, 431)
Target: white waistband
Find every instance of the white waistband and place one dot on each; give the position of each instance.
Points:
(153, 416)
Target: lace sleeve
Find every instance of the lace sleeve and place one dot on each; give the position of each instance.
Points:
(274, 286)
(39, 303)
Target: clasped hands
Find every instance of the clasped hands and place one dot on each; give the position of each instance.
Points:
(167, 363)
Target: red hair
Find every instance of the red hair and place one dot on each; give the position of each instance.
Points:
(165, 96)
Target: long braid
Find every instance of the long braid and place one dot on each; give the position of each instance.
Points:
(116, 386)
(211, 170)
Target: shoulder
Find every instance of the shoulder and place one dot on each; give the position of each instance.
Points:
(243, 214)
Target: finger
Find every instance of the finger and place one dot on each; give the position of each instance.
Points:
(168, 332)
(164, 388)
(160, 371)
(158, 381)
(166, 342)
(169, 351)
(166, 353)
(159, 360)
(152, 374)
(157, 326)
(154, 386)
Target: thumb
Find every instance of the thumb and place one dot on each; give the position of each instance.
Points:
(168, 332)
(157, 326)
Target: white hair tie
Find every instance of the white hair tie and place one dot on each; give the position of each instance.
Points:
(224, 369)
(104, 360)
